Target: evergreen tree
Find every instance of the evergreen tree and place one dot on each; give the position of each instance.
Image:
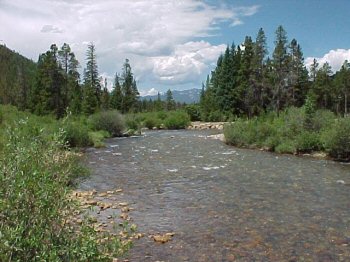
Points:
(342, 81)
(129, 89)
(105, 97)
(158, 104)
(323, 86)
(280, 69)
(297, 76)
(116, 95)
(47, 96)
(170, 102)
(92, 87)
(259, 71)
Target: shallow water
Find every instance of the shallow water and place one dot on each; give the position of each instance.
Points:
(225, 203)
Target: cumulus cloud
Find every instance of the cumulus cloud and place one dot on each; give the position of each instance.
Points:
(335, 59)
(188, 62)
(150, 92)
(153, 34)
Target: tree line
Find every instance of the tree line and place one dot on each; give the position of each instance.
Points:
(248, 82)
(54, 84)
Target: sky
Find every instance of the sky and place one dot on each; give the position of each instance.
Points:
(172, 44)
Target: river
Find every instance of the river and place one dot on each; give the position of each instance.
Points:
(224, 203)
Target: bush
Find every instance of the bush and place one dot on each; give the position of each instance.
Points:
(97, 138)
(337, 140)
(177, 120)
(151, 122)
(307, 142)
(110, 121)
(287, 146)
(237, 133)
(76, 134)
(194, 112)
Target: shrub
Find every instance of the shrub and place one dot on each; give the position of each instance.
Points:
(337, 139)
(34, 207)
(237, 133)
(177, 120)
(76, 134)
(162, 115)
(194, 112)
(287, 146)
(307, 142)
(322, 120)
(151, 122)
(110, 121)
(97, 138)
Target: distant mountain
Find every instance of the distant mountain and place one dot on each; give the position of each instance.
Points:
(184, 96)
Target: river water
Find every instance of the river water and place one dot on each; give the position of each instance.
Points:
(225, 203)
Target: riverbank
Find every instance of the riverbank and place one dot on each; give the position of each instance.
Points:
(294, 132)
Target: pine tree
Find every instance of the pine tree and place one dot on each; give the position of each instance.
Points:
(280, 68)
(170, 102)
(46, 96)
(129, 89)
(105, 97)
(116, 95)
(259, 71)
(297, 75)
(92, 87)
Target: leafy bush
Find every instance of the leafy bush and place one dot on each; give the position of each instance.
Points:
(307, 142)
(76, 134)
(177, 120)
(151, 122)
(337, 139)
(110, 121)
(97, 137)
(34, 173)
(194, 112)
(287, 146)
(162, 115)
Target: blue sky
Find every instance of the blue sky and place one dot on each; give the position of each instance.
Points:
(172, 44)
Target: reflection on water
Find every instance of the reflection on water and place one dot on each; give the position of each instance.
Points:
(224, 203)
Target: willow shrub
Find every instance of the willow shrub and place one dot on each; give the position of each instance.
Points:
(336, 140)
(110, 121)
(177, 120)
(289, 133)
(34, 174)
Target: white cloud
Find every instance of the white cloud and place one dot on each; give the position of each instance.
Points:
(151, 33)
(335, 59)
(151, 92)
(188, 62)
(51, 29)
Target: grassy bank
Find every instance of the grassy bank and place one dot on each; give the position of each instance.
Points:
(296, 130)
(36, 171)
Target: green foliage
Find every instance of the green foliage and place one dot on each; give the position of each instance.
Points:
(151, 121)
(34, 174)
(110, 121)
(97, 137)
(177, 120)
(337, 139)
(308, 141)
(287, 133)
(194, 112)
(76, 133)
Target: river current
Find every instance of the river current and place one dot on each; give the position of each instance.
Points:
(224, 203)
